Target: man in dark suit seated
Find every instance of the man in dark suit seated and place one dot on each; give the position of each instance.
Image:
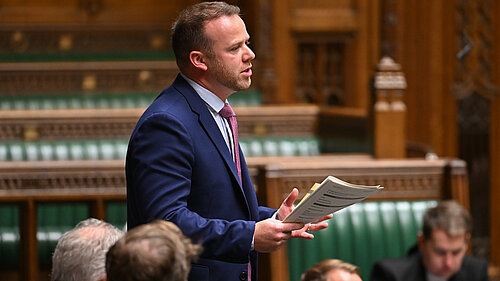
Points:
(440, 253)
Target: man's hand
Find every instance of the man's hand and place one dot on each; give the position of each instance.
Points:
(271, 234)
(313, 226)
(287, 207)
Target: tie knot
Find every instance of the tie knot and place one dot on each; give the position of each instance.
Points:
(227, 111)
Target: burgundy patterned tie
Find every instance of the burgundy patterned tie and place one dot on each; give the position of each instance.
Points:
(228, 113)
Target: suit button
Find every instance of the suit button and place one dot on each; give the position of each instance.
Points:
(243, 276)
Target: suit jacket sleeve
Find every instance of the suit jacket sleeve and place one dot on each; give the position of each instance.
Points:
(381, 273)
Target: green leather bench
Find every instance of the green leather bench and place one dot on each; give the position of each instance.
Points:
(76, 101)
(361, 234)
(105, 149)
(104, 100)
(280, 146)
(113, 149)
(53, 221)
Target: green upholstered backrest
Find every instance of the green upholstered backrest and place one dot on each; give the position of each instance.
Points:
(77, 101)
(361, 234)
(249, 97)
(89, 149)
(280, 146)
(53, 220)
(113, 149)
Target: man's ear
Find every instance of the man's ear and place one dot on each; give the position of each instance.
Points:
(197, 59)
(467, 242)
(420, 240)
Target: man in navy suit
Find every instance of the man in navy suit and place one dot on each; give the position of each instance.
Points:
(182, 159)
(441, 252)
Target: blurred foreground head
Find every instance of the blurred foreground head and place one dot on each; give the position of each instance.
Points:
(80, 253)
(156, 251)
(332, 270)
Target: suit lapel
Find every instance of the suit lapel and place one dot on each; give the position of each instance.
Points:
(207, 121)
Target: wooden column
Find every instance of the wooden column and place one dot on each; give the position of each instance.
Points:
(389, 111)
(277, 260)
(495, 150)
(28, 242)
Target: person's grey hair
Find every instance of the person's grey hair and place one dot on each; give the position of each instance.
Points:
(319, 271)
(188, 31)
(448, 216)
(80, 253)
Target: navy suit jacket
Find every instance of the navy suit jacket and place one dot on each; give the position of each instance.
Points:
(179, 168)
(411, 268)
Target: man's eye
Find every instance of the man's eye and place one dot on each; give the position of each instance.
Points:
(440, 252)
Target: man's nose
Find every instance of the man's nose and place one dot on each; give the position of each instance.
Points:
(448, 260)
(249, 54)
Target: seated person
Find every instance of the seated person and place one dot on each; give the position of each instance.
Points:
(441, 250)
(80, 253)
(157, 251)
(332, 270)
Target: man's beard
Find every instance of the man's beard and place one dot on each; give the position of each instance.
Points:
(229, 79)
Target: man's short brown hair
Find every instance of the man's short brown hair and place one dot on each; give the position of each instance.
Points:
(319, 271)
(188, 31)
(448, 216)
(151, 252)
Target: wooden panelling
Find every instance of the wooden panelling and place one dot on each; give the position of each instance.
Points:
(495, 152)
(336, 37)
(403, 180)
(285, 120)
(90, 11)
(78, 77)
(327, 20)
(43, 39)
(421, 38)
(95, 182)
(449, 50)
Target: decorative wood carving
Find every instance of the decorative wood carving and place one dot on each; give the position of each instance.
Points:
(28, 183)
(320, 71)
(474, 90)
(284, 120)
(82, 77)
(474, 31)
(84, 39)
(389, 29)
(389, 111)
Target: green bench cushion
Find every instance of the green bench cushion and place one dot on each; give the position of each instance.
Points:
(104, 100)
(114, 149)
(76, 101)
(105, 149)
(361, 234)
(53, 220)
(280, 146)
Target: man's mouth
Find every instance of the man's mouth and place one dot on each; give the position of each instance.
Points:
(247, 72)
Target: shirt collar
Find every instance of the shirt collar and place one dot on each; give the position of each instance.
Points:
(213, 101)
(432, 277)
